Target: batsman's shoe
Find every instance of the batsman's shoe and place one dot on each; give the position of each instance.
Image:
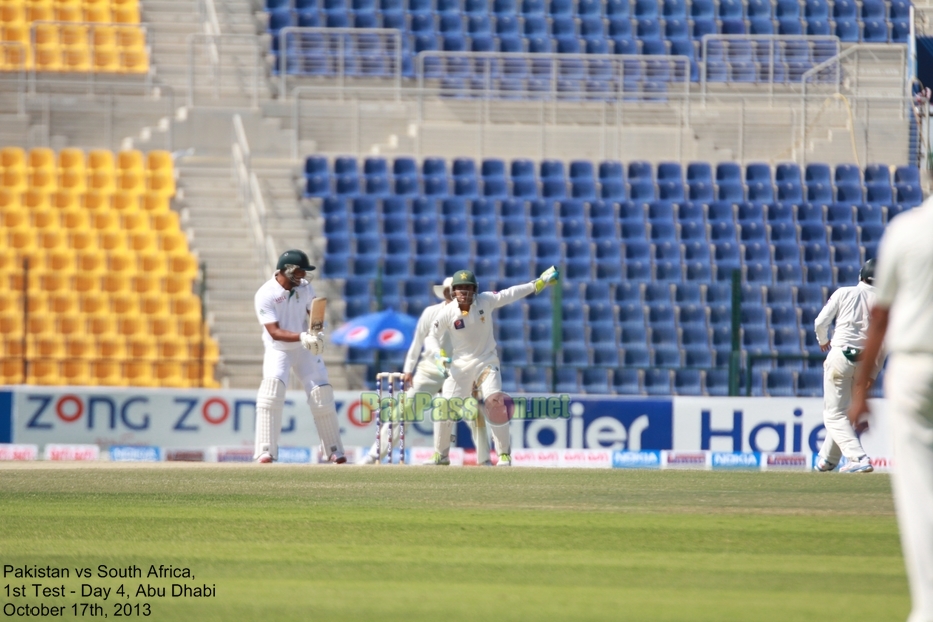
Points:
(823, 466)
(338, 458)
(505, 460)
(438, 460)
(486, 463)
(858, 466)
(370, 459)
(264, 458)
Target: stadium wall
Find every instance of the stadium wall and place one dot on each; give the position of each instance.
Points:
(178, 419)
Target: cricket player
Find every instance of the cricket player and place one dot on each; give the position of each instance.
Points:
(429, 376)
(902, 320)
(850, 307)
(474, 364)
(282, 306)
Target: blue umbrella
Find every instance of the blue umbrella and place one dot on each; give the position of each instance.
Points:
(386, 330)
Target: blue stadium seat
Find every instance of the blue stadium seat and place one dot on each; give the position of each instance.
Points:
(627, 381)
(810, 383)
(657, 382)
(595, 380)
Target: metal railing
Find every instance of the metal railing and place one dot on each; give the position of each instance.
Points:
(338, 53)
(211, 82)
(251, 196)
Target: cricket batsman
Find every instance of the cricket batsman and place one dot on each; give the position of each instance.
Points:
(474, 363)
(851, 308)
(283, 304)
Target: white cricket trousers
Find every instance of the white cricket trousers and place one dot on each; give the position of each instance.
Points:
(308, 367)
(838, 379)
(908, 387)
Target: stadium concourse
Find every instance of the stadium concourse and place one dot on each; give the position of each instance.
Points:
(647, 252)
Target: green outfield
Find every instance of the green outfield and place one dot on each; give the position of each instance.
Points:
(389, 543)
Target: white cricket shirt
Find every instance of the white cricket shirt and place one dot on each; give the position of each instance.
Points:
(851, 308)
(289, 308)
(424, 338)
(471, 335)
(904, 280)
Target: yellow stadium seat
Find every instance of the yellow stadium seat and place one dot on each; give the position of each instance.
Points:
(22, 239)
(174, 243)
(42, 372)
(44, 219)
(166, 221)
(183, 265)
(138, 373)
(122, 263)
(75, 218)
(102, 181)
(162, 326)
(96, 201)
(61, 261)
(172, 348)
(155, 203)
(191, 328)
(159, 160)
(153, 263)
(34, 199)
(105, 220)
(44, 179)
(12, 13)
(153, 304)
(40, 324)
(126, 201)
(83, 282)
(176, 284)
(68, 13)
(11, 323)
(135, 220)
(14, 218)
(130, 325)
(93, 302)
(100, 160)
(144, 283)
(124, 304)
(106, 58)
(15, 180)
(37, 302)
(162, 183)
(13, 158)
(10, 198)
(15, 32)
(82, 240)
(126, 15)
(114, 283)
(79, 346)
(130, 160)
(63, 302)
(99, 324)
(76, 58)
(75, 372)
(142, 241)
(73, 180)
(11, 371)
(47, 57)
(210, 353)
(73, 35)
(104, 36)
(12, 347)
(186, 306)
(132, 181)
(112, 240)
(66, 199)
(97, 13)
(110, 347)
(71, 159)
(199, 375)
(14, 57)
(134, 60)
(71, 325)
(107, 374)
(49, 346)
(36, 12)
(10, 302)
(168, 374)
(48, 239)
(41, 158)
(141, 347)
(91, 261)
(9, 260)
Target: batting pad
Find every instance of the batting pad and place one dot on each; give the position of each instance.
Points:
(500, 432)
(270, 401)
(442, 430)
(324, 411)
(480, 438)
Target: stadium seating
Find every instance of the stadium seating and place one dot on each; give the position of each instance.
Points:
(109, 272)
(647, 278)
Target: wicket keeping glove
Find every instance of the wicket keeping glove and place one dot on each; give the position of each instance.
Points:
(443, 363)
(548, 277)
(313, 343)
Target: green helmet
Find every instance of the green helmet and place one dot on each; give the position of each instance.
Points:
(294, 257)
(867, 273)
(464, 277)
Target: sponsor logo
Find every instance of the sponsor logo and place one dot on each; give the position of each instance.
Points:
(294, 455)
(683, 460)
(391, 337)
(535, 457)
(458, 324)
(730, 460)
(234, 454)
(135, 453)
(794, 462)
(72, 452)
(355, 335)
(9, 451)
(586, 458)
(185, 455)
(636, 459)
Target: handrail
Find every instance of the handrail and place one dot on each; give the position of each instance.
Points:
(213, 41)
(251, 196)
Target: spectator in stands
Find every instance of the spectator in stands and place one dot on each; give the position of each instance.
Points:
(850, 308)
(902, 319)
(282, 307)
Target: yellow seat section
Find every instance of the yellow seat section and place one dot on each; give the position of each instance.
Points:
(100, 159)
(48, 346)
(169, 374)
(110, 347)
(15, 179)
(12, 13)
(71, 159)
(74, 218)
(138, 373)
(91, 261)
(210, 352)
(197, 374)
(124, 304)
(159, 160)
(141, 347)
(153, 304)
(42, 372)
(172, 348)
(186, 306)
(107, 373)
(13, 157)
(122, 264)
(11, 371)
(63, 302)
(79, 347)
(75, 372)
(66, 198)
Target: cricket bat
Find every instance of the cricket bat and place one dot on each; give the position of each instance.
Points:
(316, 320)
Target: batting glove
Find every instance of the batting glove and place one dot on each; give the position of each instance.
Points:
(548, 277)
(443, 363)
(313, 343)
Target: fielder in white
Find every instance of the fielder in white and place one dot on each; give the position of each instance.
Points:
(428, 377)
(902, 320)
(850, 307)
(282, 306)
(474, 366)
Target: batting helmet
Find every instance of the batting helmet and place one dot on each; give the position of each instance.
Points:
(867, 273)
(294, 257)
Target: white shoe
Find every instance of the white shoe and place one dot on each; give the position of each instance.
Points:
(823, 466)
(370, 459)
(264, 458)
(438, 460)
(505, 460)
(858, 466)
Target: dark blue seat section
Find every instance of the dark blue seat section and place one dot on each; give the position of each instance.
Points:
(647, 281)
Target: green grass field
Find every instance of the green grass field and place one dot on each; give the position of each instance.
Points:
(301, 543)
